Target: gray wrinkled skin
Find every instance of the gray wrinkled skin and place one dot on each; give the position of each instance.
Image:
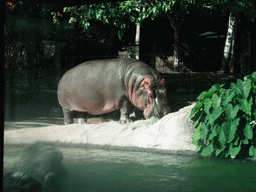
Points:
(103, 86)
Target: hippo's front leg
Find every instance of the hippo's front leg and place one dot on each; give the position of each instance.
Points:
(125, 111)
(68, 116)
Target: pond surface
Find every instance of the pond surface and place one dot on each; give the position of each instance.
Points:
(96, 169)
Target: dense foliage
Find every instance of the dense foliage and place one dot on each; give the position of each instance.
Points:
(225, 120)
(119, 14)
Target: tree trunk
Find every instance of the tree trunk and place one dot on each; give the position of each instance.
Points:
(137, 42)
(228, 43)
(176, 58)
(232, 53)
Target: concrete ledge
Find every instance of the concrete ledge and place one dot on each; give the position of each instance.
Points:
(172, 132)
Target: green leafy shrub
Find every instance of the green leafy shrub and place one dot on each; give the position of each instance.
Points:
(225, 120)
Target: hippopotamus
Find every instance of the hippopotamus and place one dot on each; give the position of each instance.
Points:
(102, 86)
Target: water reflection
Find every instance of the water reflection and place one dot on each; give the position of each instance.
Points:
(92, 169)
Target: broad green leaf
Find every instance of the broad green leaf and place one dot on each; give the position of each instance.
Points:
(226, 127)
(252, 151)
(246, 105)
(233, 151)
(222, 137)
(254, 74)
(236, 141)
(197, 118)
(232, 112)
(212, 90)
(207, 105)
(203, 131)
(226, 98)
(201, 95)
(219, 150)
(229, 128)
(207, 150)
(196, 109)
(246, 141)
(248, 131)
(197, 135)
(213, 132)
(198, 148)
(244, 87)
(233, 128)
(215, 114)
(236, 89)
(215, 100)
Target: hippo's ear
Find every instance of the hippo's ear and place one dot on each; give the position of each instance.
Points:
(145, 83)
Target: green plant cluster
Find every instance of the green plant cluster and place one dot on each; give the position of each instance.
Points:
(225, 120)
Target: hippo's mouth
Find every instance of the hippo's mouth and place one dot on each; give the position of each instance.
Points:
(152, 110)
(148, 112)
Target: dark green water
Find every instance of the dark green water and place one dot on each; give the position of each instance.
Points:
(115, 170)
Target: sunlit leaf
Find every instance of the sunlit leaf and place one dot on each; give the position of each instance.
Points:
(215, 114)
(252, 151)
(216, 100)
(198, 148)
(208, 150)
(203, 130)
(248, 131)
(197, 135)
(244, 87)
(233, 151)
(236, 89)
(212, 90)
(195, 109)
(222, 137)
(213, 132)
(232, 112)
(233, 128)
(207, 105)
(245, 105)
(201, 95)
(227, 97)
(246, 141)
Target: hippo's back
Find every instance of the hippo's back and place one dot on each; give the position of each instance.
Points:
(93, 84)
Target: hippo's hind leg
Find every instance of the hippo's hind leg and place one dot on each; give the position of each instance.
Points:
(82, 117)
(125, 111)
(68, 116)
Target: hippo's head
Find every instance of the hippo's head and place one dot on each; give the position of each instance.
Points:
(150, 97)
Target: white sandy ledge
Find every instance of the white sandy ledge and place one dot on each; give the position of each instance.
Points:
(173, 132)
